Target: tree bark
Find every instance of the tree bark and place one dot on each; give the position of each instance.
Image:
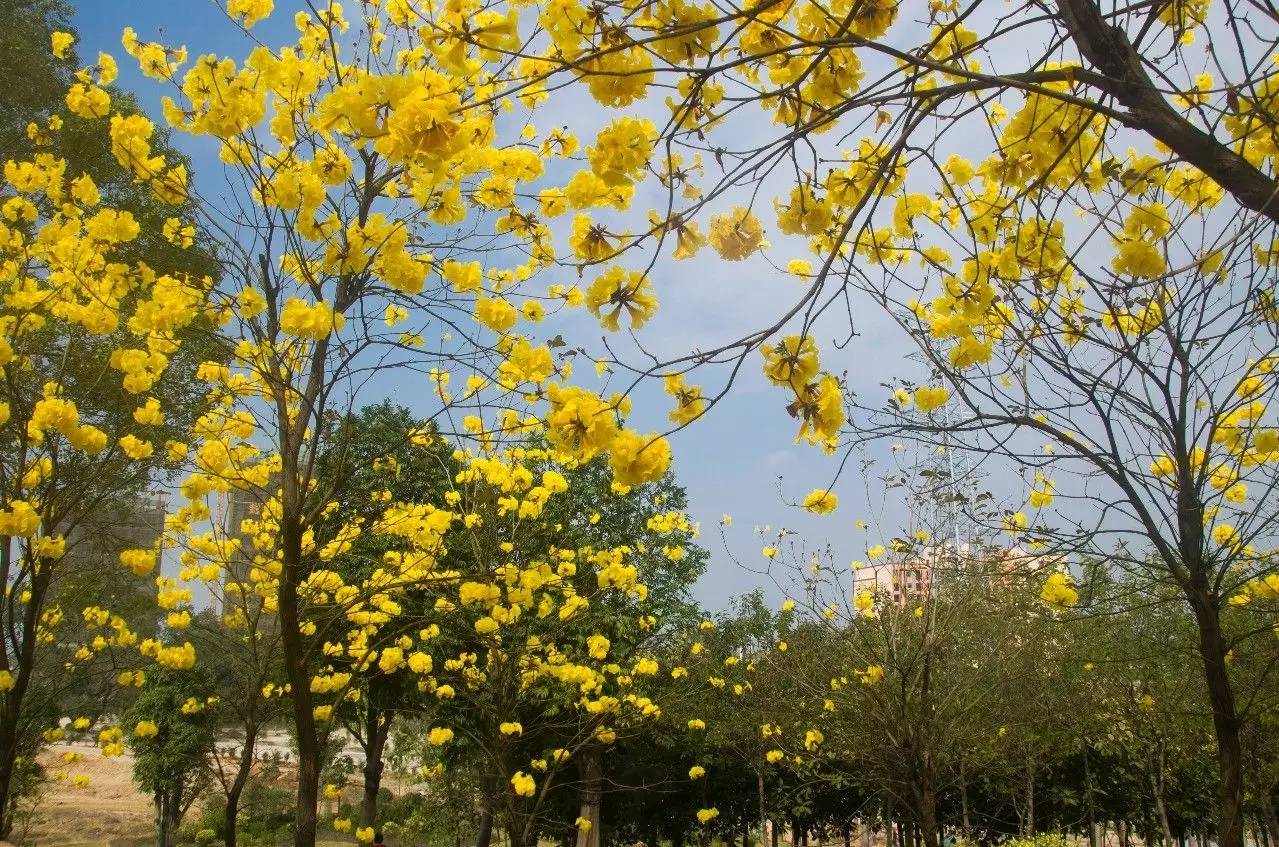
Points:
(173, 817)
(926, 805)
(1089, 801)
(484, 833)
(1157, 788)
(1030, 797)
(377, 729)
(1268, 811)
(763, 820)
(158, 801)
(23, 663)
(591, 769)
(236, 789)
(295, 667)
(1225, 720)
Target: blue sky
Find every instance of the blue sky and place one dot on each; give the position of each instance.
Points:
(740, 458)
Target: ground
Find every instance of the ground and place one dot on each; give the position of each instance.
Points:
(108, 812)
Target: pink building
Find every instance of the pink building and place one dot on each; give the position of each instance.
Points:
(906, 576)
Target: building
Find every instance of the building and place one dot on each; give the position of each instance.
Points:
(914, 575)
(103, 533)
(235, 507)
(91, 570)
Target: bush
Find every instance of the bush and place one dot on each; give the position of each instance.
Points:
(1042, 839)
(265, 816)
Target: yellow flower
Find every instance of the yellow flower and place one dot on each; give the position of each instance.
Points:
(145, 729)
(736, 235)
(928, 398)
(1043, 495)
(636, 458)
(597, 646)
(696, 772)
(315, 321)
(1059, 591)
(523, 784)
(618, 289)
(249, 12)
(496, 313)
(61, 42)
(705, 816)
(820, 502)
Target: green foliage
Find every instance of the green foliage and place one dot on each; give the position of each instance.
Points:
(264, 818)
(1041, 839)
(170, 761)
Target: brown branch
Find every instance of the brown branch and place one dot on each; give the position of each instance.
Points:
(1107, 48)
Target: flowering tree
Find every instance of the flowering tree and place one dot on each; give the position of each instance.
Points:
(530, 649)
(170, 739)
(1136, 339)
(95, 397)
(380, 226)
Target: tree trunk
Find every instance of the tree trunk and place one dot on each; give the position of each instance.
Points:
(926, 806)
(1225, 719)
(1156, 787)
(590, 766)
(888, 823)
(484, 833)
(23, 662)
(1089, 802)
(242, 775)
(963, 800)
(161, 837)
(1268, 812)
(295, 668)
(763, 820)
(376, 729)
(172, 817)
(775, 833)
(1030, 797)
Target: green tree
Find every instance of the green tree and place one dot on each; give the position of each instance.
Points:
(81, 494)
(381, 462)
(171, 735)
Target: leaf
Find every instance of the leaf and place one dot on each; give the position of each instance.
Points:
(557, 341)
